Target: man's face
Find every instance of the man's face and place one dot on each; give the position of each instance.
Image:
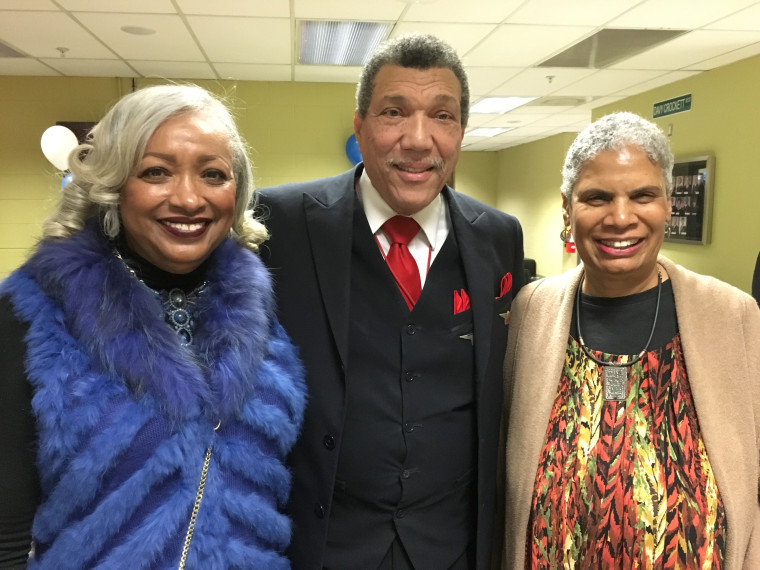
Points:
(411, 135)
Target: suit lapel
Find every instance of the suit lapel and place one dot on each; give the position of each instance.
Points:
(479, 272)
(329, 220)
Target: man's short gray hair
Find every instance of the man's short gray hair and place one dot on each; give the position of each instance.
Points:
(612, 132)
(415, 51)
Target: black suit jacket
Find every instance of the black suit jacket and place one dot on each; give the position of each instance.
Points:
(309, 253)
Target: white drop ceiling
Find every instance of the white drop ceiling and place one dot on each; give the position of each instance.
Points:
(502, 42)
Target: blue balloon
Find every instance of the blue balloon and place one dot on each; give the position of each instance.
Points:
(66, 179)
(352, 150)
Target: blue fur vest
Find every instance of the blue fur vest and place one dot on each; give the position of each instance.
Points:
(127, 417)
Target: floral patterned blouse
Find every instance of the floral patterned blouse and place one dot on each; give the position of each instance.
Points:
(625, 484)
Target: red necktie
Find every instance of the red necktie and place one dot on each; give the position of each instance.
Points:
(400, 231)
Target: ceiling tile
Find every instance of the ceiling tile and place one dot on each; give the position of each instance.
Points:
(517, 45)
(688, 49)
(516, 121)
(591, 105)
(563, 120)
(172, 41)
(134, 6)
(244, 40)
(24, 66)
(471, 11)
(327, 73)
(676, 14)
(91, 67)
(253, 72)
(607, 81)
(27, 5)
(726, 58)
(174, 69)
(536, 82)
(663, 79)
(366, 10)
(575, 13)
(747, 19)
(51, 30)
(480, 119)
(484, 79)
(462, 37)
(260, 9)
(526, 130)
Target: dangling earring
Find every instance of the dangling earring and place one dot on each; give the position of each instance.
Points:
(564, 235)
(668, 229)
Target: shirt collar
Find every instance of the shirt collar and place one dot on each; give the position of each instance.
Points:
(378, 211)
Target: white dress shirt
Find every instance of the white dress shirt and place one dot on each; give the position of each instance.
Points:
(433, 220)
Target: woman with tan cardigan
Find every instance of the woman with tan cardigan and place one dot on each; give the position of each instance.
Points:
(632, 407)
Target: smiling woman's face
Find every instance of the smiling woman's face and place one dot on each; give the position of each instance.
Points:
(617, 211)
(178, 204)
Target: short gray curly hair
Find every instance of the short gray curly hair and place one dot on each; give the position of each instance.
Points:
(415, 51)
(102, 165)
(612, 132)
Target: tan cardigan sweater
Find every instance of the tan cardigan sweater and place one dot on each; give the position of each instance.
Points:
(720, 335)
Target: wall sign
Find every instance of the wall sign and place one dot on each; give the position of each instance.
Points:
(672, 106)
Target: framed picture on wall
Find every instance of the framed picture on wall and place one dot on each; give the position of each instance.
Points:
(691, 213)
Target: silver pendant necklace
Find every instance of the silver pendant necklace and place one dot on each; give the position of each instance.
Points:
(177, 305)
(615, 374)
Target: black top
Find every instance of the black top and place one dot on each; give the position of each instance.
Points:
(756, 281)
(601, 318)
(19, 481)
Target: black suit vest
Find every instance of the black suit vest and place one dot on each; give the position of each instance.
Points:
(408, 454)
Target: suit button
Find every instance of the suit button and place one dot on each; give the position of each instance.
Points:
(405, 474)
(410, 376)
(411, 329)
(319, 510)
(329, 442)
(408, 427)
(400, 514)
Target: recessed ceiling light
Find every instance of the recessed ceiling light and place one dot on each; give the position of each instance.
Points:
(486, 132)
(138, 30)
(499, 104)
(339, 43)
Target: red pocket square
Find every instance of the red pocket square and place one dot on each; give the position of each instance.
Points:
(461, 301)
(506, 284)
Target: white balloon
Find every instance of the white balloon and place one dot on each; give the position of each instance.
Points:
(57, 142)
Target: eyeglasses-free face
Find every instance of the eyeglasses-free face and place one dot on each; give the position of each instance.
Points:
(178, 204)
(617, 211)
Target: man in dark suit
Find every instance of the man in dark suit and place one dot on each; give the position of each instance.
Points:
(395, 467)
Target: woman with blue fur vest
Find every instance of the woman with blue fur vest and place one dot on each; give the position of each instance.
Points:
(149, 396)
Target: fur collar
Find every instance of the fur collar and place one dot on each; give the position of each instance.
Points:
(120, 323)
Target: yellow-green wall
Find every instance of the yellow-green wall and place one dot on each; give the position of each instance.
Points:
(723, 121)
(529, 177)
(297, 131)
(476, 174)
